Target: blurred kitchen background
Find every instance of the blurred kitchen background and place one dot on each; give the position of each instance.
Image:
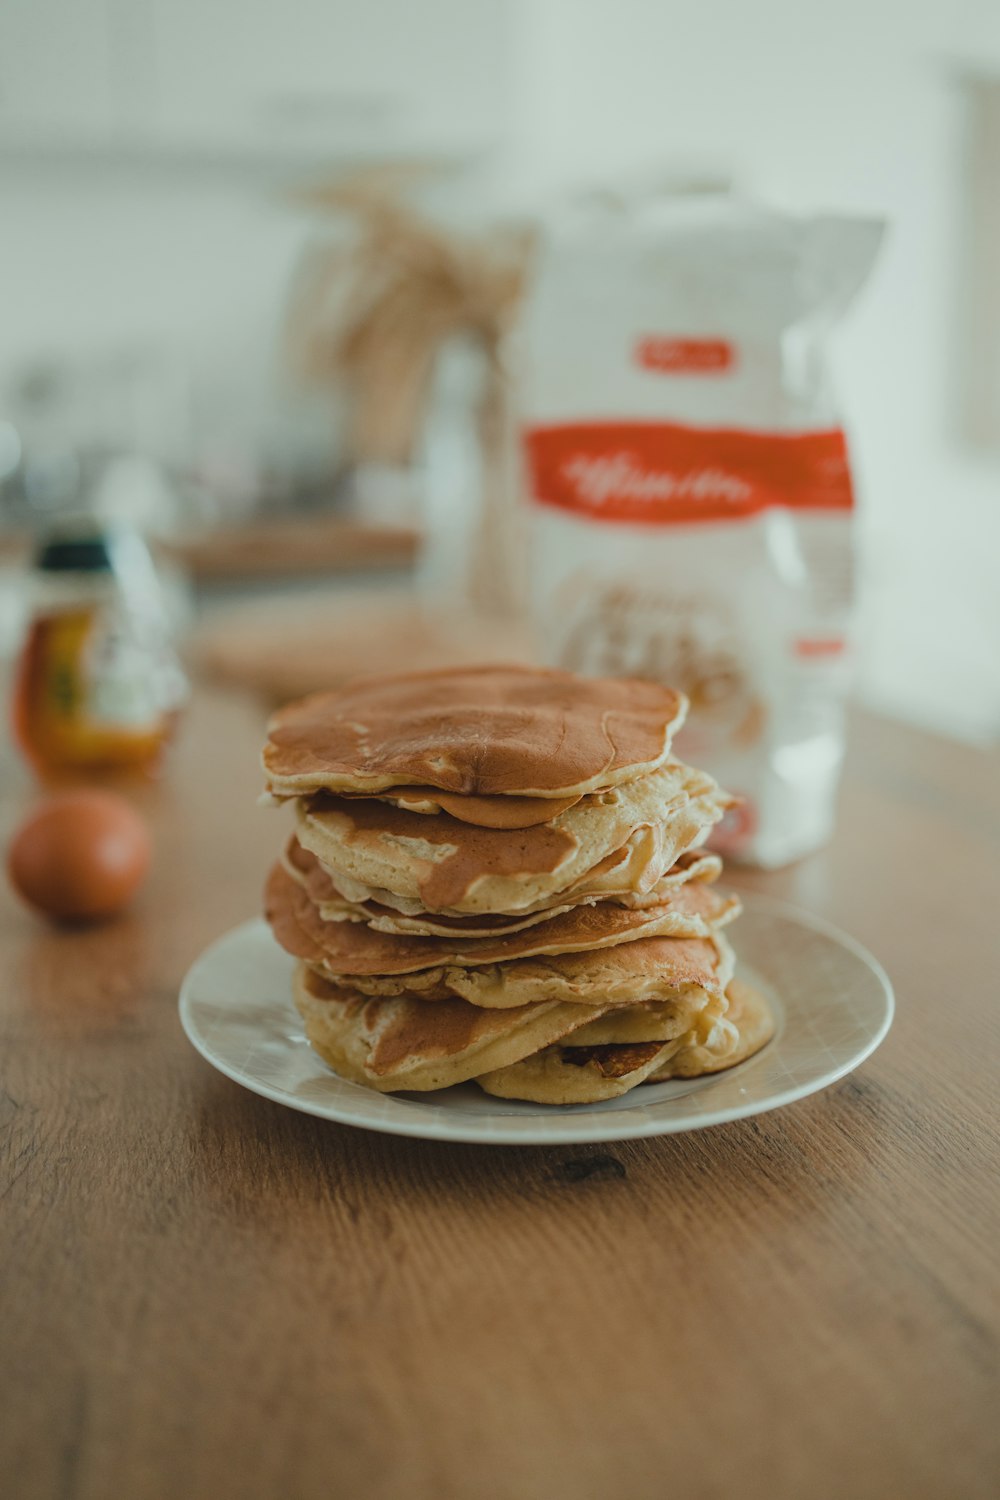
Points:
(200, 259)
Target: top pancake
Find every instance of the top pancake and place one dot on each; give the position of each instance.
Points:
(478, 731)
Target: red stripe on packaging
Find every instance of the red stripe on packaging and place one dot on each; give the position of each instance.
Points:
(661, 474)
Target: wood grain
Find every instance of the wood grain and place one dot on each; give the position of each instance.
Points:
(293, 546)
(205, 1295)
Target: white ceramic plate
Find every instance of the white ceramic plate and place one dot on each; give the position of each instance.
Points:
(833, 1002)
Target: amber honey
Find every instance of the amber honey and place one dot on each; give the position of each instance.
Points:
(97, 686)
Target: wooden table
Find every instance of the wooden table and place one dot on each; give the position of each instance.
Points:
(206, 1295)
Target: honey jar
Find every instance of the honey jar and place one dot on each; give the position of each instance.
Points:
(98, 685)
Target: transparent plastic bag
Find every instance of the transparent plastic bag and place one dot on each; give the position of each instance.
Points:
(692, 510)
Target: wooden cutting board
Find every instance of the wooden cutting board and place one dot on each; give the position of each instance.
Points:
(293, 547)
(282, 648)
(285, 547)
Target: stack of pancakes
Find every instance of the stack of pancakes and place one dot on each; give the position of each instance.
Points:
(496, 874)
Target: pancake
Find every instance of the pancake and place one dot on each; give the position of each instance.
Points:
(546, 1053)
(554, 1075)
(445, 865)
(664, 1021)
(497, 875)
(404, 1044)
(479, 731)
(628, 876)
(623, 1048)
(334, 906)
(648, 968)
(486, 812)
(753, 1021)
(693, 910)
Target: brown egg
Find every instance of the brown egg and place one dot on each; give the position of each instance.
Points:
(79, 855)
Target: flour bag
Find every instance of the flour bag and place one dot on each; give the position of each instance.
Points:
(690, 496)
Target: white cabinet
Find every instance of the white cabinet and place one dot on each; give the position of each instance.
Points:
(392, 73)
(257, 77)
(55, 68)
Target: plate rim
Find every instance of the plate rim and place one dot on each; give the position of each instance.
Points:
(492, 1132)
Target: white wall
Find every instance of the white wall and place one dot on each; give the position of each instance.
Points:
(162, 293)
(93, 257)
(148, 153)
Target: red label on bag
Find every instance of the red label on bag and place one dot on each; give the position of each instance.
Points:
(685, 356)
(826, 645)
(660, 474)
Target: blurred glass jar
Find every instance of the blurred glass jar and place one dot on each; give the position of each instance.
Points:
(98, 686)
(471, 558)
